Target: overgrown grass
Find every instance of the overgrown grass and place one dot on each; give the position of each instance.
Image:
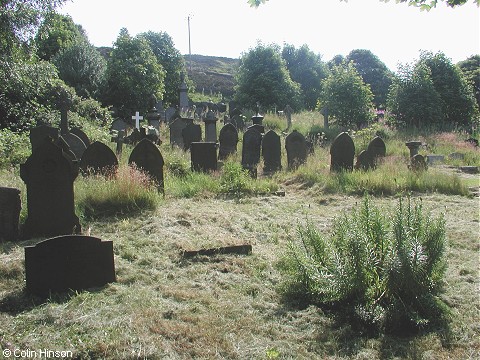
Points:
(387, 272)
(127, 192)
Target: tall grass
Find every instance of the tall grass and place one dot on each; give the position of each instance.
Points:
(128, 192)
(386, 272)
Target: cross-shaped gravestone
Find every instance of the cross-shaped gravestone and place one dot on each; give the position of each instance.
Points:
(137, 119)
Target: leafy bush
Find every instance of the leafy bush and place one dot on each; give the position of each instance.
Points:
(387, 273)
(14, 148)
(235, 180)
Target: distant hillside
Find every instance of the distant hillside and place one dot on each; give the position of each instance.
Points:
(212, 74)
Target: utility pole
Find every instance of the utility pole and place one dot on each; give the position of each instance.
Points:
(189, 45)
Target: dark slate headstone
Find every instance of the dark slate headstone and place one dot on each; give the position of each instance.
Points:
(297, 150)
(49, 175)
(10, 206)
(38, 135)
(176, 128)
(377, 147)
(342, 153)
(252, 142)
(365, 161)
(238, 121)
(81, 134)
(258, 127)
(147, 156)
(228, 139)
(210, 127)
(191, 133)
(72, 262)
(170, 114)
(76, 145)
(98, 158)
(204, 156)
(118, 125)
(271, 152)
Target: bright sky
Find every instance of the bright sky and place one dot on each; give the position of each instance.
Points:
(394, 32)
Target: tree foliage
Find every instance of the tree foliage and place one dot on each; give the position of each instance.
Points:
(171, 60)
(57, 32)
(81, 66)
(373, 72)
(133, 76)
(19, 20)
(347, 97)
(307, 69)
(422, 4)
(264, 77)
(471, 70)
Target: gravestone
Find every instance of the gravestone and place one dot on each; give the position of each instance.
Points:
(288, 114)
(118, 125)
(10, 206)
(66, 149)
(238, 121)
(210, 127)
(413, 147)
(183, 94)
(191, 133)
(72, 262)
(365, 160)
(81, 134)
(119, 139)
(98, 158)
(377, 147)
(203, 156)
(154, 118)
(252, 142)
(176, 128)
(342, 153)
(49, 175)
(76, 145)
(435, 159)
(170, 114)
(39, 133)
(147, 157)
(418, 163)
(296, 146)
(271, 152)
(228, 139)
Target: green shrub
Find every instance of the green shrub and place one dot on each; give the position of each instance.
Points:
(14, 148)
(387, 273)
(235, 180)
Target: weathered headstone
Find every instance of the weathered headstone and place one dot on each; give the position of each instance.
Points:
(258, 127)
(271, 152)
(147, 157)
(73, 262)
(296, 146)
(81, 134)
(377, 147)
(49, 175)
(203, 156)
(183, 94)
(413, 147)
(210, 127)
(98, 158)
(288, 114)
(228, 139)
(10, 206)
(191, 133)
(176, 128)
(76, 145)
(239, 122)
(118, 125)
(435, 159)
(365, 160)
(170, 114)
(39, 133)
(252, 142)
(342, 153)
(418, 163)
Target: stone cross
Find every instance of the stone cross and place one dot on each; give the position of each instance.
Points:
(137, 119)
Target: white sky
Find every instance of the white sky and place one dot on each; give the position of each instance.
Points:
(394, 32)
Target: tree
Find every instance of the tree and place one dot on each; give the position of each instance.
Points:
(81, 66)
(457, 99)
(422, 4)
(347, 97)
(373, 72)
(471, 71)
(308, 70)
(133, 76)
(263, 76)
(413, 100)
(171, 60)
(19, 20)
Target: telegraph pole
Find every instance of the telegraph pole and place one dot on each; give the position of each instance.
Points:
(189, 44)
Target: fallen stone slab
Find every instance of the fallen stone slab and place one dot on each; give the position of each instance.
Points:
(235, 249)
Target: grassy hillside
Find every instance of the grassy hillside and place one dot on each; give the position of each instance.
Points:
(212, 74)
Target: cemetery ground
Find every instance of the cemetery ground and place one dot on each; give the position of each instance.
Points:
(164, 305)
